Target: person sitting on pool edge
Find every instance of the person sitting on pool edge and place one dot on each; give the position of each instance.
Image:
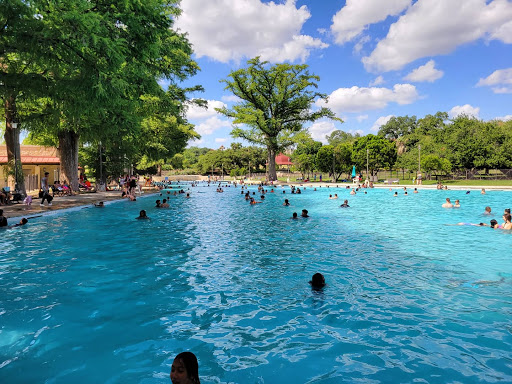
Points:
(345, 204)
(185, 369)
(317, 281)
(142, 215)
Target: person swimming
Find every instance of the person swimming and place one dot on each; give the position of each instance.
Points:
(294, 215)
(487, 210)
(304, 213)
(20, 224)
(345, 204)
(317, 281)
(286, 203)
(448, 203)
(457, 204)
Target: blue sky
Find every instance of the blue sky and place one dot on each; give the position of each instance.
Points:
(375, 58)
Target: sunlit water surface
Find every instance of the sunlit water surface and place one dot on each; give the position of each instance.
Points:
(95, 296)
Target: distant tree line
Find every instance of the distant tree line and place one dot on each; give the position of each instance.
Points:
(444, 145)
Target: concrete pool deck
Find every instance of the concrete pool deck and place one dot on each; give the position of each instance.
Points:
(61, 202)
(64, 202)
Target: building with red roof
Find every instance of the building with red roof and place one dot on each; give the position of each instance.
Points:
(36, 160)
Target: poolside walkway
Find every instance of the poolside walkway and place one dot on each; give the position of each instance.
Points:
(61, 202)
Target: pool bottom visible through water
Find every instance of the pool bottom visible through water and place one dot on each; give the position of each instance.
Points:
(94, 295)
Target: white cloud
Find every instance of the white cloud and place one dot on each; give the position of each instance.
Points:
(504, 118)
(426, 72)
(503, 33)
(435, 27)
(211, 125)
(378, 81)
(500, 81)
(358, 99)
(221, 140)
(464, 110)
(361, 118)
(195, 142)
(230, 98)
(320, 129)
(195, 112)
(380, 122)
(227, 30)
(353, 18)
(358, 47)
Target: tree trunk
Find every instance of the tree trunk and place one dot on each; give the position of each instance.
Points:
(272, 174)
(12, 142)
(68, 154)
(159, 170)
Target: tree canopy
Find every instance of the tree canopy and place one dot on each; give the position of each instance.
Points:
(275, 104)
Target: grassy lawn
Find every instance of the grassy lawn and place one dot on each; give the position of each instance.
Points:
(477, 183)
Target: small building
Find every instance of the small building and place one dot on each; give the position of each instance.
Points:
(283, 162)
(36, 160)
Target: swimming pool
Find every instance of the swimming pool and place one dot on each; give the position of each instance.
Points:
(95, 296)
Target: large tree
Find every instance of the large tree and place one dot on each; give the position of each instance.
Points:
(375, 152)
(98, 61)
(275, 104)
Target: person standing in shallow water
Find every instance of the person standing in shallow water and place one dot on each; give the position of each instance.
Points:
(185, 369)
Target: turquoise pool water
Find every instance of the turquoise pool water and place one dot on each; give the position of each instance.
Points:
(95, 296)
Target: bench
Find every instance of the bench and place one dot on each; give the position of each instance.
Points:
(392, 181)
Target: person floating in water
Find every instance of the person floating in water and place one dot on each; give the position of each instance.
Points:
(99, 205)
(294, 216)
(345, 204)
(165, 204)
(286, 203)
(487, 210)
(317, 281)
(448, 203)
(304, 213)
(185, 369)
